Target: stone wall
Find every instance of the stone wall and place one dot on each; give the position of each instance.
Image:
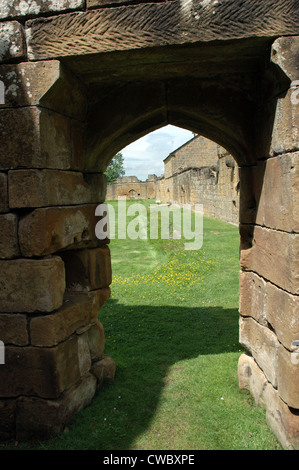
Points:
(208, 176)
(132, 188)
(269, 281)
(198, 172)
(54, 273)
(197, 152)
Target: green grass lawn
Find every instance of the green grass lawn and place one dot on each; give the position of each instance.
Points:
(171, 326)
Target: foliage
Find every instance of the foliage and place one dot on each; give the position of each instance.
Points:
(115, 168)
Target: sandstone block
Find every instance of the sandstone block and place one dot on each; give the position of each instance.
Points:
(42, 139)
(67, 95)
(12, 41)
(26, 83)
(252, 296)
(282, 312)
(3, 193)
(259, 203)
(286, 122)
(7, 421)
(20, 123)
(96, 341)
(83, 354)
(104, 370)
(30, 285)
(100, 297)
(9, 246)
(109, 368)
(45, 83)
(55, 140)
(288, 376)
(272, 254)
(251, 378)
(284, 53)
(142, 28)
(13, 328)
(283, 420)
(77, 313)
(88, 269)
(79, 162)
(78, 310)
(50, 229)
(42, 188)
(279, 209)
(42, 372)
(268, 304)
(19, 8)
(98, 371)
(262, 345)
(38, 418)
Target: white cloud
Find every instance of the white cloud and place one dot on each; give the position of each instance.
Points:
(145, 156)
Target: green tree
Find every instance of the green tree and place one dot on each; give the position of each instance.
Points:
(115, 168)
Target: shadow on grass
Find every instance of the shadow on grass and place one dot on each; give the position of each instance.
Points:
(145, 341)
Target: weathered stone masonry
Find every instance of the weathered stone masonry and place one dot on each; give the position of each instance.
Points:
(54, 343)
(130, 187)
(216, 187)
(198, 172)
(83, 80)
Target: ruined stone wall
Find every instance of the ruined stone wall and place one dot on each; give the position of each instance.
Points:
(203, 173)
(213, 181)
(197, 152)
(217, 189)
(269, 281)
(54, 273)
(131, 187)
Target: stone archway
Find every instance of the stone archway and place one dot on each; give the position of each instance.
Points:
(95, 81)
(132, 194)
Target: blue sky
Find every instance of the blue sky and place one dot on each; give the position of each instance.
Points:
(145, 156)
